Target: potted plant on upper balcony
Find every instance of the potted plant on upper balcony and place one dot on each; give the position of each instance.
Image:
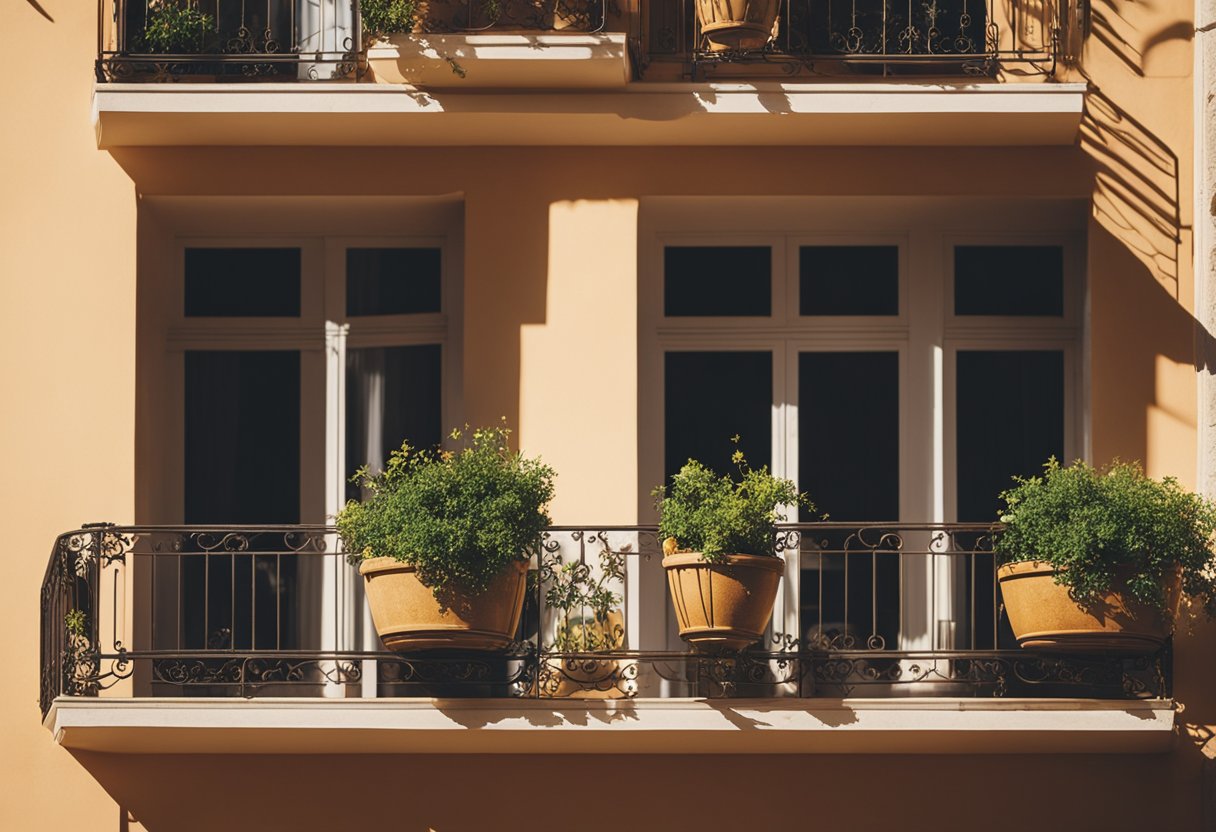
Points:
(720, 547)
(737, 25)
(1095, 561)
(443, 541)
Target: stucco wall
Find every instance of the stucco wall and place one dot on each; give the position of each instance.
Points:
(550, 282)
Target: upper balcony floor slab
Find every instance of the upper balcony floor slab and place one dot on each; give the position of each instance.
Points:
(637, 114)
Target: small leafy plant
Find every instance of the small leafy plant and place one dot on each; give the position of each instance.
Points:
(460, 517)
(388, 17)
(588, 608)
(719, 516)
(175, 27)
(1090, 522)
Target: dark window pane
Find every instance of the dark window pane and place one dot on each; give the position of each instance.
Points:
(242, 437)
(848, 462)
(1010, 408)
(848, 280)
(717, 281)
(242, 466)
(1009, 280)
(712, 396)
(848, 433)
(393, 281)
(242, 282)
(393, 394)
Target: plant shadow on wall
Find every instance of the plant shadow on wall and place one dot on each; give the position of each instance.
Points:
(38, 8)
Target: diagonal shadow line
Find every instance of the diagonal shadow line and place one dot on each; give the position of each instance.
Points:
(40, 10)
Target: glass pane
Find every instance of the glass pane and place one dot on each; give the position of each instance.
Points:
(712, 396)
(242, 466)
(1009, 280)
(1010, 407)
(393, 281)
(848, 462)
(717, 281)
(848, 280)
(242, 282)
(393, 394)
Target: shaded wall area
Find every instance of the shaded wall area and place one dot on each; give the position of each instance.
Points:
(672, 793)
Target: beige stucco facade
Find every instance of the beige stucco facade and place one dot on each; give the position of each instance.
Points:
(550, 322)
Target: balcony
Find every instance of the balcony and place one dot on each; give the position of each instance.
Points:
(155, 636)
(324, 40)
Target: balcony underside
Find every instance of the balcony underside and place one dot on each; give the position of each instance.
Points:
(673, 726)
(642, 114)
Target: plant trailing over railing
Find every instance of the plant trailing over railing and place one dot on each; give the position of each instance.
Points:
(175, 27)
(460, 517)
(587, 608)
(1091, 523)
(388, 17)
(718, 516)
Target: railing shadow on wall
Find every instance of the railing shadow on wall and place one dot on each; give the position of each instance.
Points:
(883, 610)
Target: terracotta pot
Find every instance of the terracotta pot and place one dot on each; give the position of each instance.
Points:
(723, 606)
(1044, 615)
(408, 617)
(737, 24)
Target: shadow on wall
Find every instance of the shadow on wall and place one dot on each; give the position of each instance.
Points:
(1136, 187)
(590, 792)
(34, 5)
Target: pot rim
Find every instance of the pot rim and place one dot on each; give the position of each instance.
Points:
(385, 563)
(681, 560)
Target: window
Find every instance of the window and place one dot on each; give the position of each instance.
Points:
(901, 375)
(287, 363)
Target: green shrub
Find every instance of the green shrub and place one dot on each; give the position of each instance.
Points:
(460, 517)
(719, 516)
(388, 17)
(175, 27)
(1087, 523)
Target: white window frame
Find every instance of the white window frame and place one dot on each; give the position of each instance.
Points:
(925, 332)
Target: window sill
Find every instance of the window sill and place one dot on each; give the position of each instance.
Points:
(672, 726)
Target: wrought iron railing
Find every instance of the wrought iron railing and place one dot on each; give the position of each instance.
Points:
(828, 37)
(879, 610)
(281, 40)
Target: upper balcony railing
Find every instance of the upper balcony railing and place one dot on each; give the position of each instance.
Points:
(882, 610)
(282, 40)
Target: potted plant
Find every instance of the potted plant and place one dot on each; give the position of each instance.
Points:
(737, 25)
(1096, 560)
(588, 621)
(443, 540)
(720, 550)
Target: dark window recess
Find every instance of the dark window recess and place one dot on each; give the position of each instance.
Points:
(242, 466)
(848, 434)
(848, 462)
(848, 280)
(242, 283)
(393, 394)
(716, 281)
(393, 281)
(1010, 419)
(712, 396)
(1019, 281)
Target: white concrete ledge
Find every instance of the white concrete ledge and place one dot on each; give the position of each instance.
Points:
(639, 114)
(674, 726)
(557, 61)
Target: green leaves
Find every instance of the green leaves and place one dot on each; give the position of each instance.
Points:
(175, 27)
(717, 516)
(459, 517)
(1090, 523)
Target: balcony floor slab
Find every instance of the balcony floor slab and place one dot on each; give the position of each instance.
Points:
(673, 726)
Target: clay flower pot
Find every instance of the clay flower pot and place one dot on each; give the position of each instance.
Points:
(1044, 615)
(409, 618)
(726, 605)
(737, 25)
